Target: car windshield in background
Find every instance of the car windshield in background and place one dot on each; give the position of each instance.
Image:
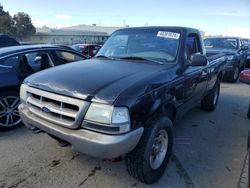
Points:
(142, 44)
(77, 48)
(222, 43)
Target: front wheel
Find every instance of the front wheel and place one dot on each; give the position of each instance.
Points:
(235, 75)
(148, 161)
(209, 102)
(9, 115)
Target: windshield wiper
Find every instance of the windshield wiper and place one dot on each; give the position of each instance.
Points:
(141, 58)
(103, 56)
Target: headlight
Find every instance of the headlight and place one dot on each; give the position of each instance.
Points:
(99, 113)
(230, 57)
(109, 116)
(23, 93)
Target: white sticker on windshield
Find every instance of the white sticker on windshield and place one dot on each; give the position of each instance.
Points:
(170, 35)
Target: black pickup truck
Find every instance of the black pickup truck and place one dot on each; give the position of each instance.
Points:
(235, 50)
(126, 99)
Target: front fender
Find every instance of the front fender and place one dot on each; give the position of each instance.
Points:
(150, 104)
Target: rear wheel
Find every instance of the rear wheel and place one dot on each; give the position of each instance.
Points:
(209, 102)
(148, 161)
(9, 115)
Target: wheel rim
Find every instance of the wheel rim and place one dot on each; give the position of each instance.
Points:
(9, 115)
(216, 94)
(159, 149)
(236, 73)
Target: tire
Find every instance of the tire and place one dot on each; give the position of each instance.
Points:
(209, 102)
(248, 113)
(141, 163)
(9, 115)
(234, 76)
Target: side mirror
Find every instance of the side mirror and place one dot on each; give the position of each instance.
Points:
(244, 47)
(198, 60)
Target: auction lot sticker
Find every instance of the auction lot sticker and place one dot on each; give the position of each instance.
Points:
(169, 35)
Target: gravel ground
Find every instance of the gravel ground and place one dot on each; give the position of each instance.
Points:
(209, 151)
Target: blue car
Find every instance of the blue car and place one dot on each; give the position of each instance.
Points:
(19, 62)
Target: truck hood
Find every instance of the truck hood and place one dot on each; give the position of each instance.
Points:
(93, 80)
(218, 50)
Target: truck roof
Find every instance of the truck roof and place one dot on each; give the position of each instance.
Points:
(175, 28)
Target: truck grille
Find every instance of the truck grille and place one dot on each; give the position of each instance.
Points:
(58, 109)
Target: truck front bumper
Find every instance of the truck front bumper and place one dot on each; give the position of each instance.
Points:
(85, 141)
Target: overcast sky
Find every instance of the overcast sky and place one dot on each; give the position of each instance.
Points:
(228, 17)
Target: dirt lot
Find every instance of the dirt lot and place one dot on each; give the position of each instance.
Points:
(209, 151)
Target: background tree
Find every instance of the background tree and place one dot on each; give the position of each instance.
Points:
(6, 22)
(23, 26)
(20, 25)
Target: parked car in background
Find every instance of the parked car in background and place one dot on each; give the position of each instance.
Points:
(88, 50)
(247, 42)
(245, 78)
(126, 99)
(248, 59)
(6, 40)
(18, 62)
(235, 50)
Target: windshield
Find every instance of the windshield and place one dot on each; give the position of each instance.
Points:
(222, 43)
(78, 48)
(148, 44)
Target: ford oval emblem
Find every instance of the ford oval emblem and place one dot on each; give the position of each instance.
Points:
(45, 109)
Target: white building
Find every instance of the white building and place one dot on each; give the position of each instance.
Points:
(72, 35)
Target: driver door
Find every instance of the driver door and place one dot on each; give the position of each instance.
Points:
(195, 76)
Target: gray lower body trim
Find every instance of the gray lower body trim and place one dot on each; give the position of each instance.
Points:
(85, 141)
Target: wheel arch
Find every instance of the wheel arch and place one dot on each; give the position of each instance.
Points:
(10, 88)
(167, 109)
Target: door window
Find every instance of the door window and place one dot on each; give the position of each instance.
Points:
(62, 57)
(10, 61)
(193, 45)
(37, 60)
(20, 63)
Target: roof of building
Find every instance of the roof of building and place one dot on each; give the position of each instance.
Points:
(78, 30)
(107, 29)
(64, 32)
